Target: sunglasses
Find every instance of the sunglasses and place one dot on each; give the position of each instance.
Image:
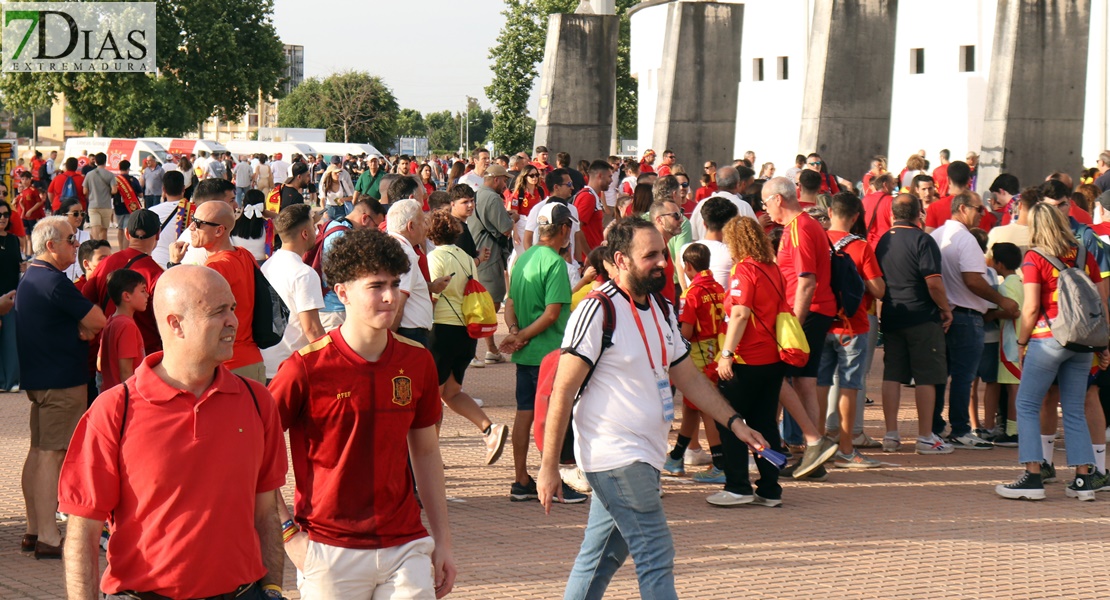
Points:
(71, 239)
(979, 209)
(5, 215)
(685, 185)
(200, 223)
(708, 167)
(532, 175)
(814, 164)
(77, 214)
(676, 215)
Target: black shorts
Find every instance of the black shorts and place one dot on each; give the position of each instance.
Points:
(815, 327)
(452, 348)
(918, 353)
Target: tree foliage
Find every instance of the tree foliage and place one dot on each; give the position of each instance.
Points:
(516, 57)
(213, 58)
(410, 123)
(353, 106)
(443, 131)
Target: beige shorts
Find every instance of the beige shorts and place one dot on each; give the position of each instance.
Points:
(100, 217)
(54, 416)
(257, 372)
(332, 319)
(403, 571)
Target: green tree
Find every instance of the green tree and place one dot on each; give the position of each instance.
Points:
(352, 106)
(443, 131)
(410, 123)
(480, 124)
(213, 59)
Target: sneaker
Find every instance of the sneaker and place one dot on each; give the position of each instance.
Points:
(104, 535)
(1029, 487)
(815, 456)
(934, 446)
(969, 441)
(1100, 481)
(1081, 487)
(1005, 440)
(524, 493)
(981, 433)
(868, 401)
(493, 358)
(1048, 472)
(865, 441)
(477, 364)
(729, 499)
(697, 458)
(478, 401)
(495, 442)
(575, 478)
(818, 474)
(674, 467)
(769, 502)
(891, 444)
(710, 475)
(855, 460)
(570, 496)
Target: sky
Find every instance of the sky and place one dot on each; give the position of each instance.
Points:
(431, 53)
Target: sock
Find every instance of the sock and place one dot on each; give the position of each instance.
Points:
(1100, 457)
(680, 447)
(1047, 442)
(718, 453)
(1011, 427)
(487, 429)
(893, 435)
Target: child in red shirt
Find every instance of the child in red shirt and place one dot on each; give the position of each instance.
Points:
(703, 324)
(30, 203)
(121, 343)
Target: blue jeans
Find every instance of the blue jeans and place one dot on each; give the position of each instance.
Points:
(336, 212)
(239, 193)
(964, 347)
(1046, 360)
(151, 200)
(626, 516)
(9, 355)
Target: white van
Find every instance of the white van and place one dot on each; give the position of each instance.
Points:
(286, 149)
(117, 149)
(329, 149)
(185, 147)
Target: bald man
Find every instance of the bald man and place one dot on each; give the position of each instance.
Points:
(180, 428)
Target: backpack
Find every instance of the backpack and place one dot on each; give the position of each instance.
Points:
(550, 362)
(271, 315)
(1078, 326)
(69, 188)
(314, 256)
(845, 280)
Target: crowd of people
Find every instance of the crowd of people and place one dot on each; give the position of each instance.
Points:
(324, 297)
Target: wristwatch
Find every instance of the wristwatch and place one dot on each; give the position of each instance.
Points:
(733, 418)
(727, 354)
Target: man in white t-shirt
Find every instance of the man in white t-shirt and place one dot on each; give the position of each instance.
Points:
(173, 214)
(716, 212)
(731, 183)
(559, 184)
(476, 178)
(279, 168)
(622, 418)
(406, 224)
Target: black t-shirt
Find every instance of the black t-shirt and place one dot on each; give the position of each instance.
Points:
(290, 196)
(466, 241)
(908, 257)
(9, 263)
(577, 180)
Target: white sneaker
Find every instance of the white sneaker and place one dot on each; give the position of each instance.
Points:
(723, 498)
(933, 445)
(494, 358)
(697, 457)
(575, 478)
(477, 364)
(770, 502)
(891, 444)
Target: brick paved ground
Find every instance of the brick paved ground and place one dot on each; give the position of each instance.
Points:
(930, 527)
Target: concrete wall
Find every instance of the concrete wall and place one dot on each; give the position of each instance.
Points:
(1038, 82)
(577, 105)
(849, 81)
(696, 108)
(649, 27)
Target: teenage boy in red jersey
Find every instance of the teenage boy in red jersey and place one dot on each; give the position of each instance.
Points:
(358, 403)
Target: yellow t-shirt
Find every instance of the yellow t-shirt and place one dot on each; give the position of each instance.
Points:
(454, 261)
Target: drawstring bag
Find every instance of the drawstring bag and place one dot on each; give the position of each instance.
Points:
(791, 338)
(478, 312)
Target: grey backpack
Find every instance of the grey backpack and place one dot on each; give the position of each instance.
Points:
(1080, 323)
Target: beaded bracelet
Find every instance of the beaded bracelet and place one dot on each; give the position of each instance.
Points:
(288, 530)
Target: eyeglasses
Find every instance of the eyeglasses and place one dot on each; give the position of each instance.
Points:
(675, 215)
(71, 239)
(707, 167)
(197, 222)
(78, 214)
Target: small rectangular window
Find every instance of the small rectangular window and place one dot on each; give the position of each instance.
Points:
(784, 68)
(917, 61)
(967, 59)
(757, 69)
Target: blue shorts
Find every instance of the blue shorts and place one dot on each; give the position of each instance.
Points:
(527, 380)
(988, 363)
(844, 356)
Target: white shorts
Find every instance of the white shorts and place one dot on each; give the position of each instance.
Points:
(398, 573)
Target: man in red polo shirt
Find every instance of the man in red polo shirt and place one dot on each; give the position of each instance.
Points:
(359, 404)
(591, 209)
(183, 460)
(938, 213)
(940, 174)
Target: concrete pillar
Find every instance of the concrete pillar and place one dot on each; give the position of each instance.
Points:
(1037, 88)
(849, 80)
(578, 86)
(696, 111)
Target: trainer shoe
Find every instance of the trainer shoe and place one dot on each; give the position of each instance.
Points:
(865, 441)
(891, 444)
(570, 496)
(1100, 481)
(1081, 487)
(818, 474)
(855, 460)
(494, 358)
(697, 458)
(769, 502)
(1029, 487)
(674, 467)
(1005, 440)
(934, 446)
(524, 493)
(495, 442)
(575, 478)
(723, 498)
(814, 456)
(969, 441)
(477, 364)
(479, 402)
(1048, 472)
(710, 475)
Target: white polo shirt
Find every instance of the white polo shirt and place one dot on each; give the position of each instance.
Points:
(960, 253)
(697, 225)
(418, 305)
(532, 223)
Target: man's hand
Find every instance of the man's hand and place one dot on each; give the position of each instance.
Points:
(177, 251)
(296, 549)
(1010, 308)
(945, 319)
(749, 436)
(443, 563)
(548, 488)
(483, 254)
(512, 343)
(765, 220)
(438, 285)
(7, 302)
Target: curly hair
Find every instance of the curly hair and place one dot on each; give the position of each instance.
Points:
(444, 229)
(361, 252)
(745, 239)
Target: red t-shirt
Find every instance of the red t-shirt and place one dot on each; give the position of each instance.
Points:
(758, 346)
(988, 221)
(96, 290)
(119, 340)
(703, 307)
(181, 487)
(348, 422)
(544, 168)
(689, 206)
(26, 200)
(1101, 228)
(523, 202)
(938, 212)
(882, 202)
(868, 266)
(940, 178)
(237, 266)
(668, 276)
(646, 168)
(15, 223)
(56, 185)
(1077, 213)
(36, 168)
(590, 214)
(804, 250)
(663, 171)
(1035, 269)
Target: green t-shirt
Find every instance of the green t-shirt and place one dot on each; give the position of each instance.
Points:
(677, 242)
(539, 278)
(369, 185)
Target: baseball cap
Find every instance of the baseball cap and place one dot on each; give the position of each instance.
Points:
(496, 170)
(299, 168)
(1104, 200)
(277, 156)
(554, 213)
(1005, 182)
(143, 224)
(335, 160)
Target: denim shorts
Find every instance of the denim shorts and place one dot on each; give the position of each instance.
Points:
(527, 380)
(988, 363)
(844, 356)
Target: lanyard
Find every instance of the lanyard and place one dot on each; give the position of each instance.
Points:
(643, 334)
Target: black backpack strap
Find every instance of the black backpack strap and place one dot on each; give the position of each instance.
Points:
(253, 397)
(608, 326)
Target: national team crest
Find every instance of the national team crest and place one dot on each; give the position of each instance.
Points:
(402, 390)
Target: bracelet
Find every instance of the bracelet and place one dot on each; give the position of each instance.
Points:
(733, 418)
(272, 591)
(513, 326)
(288, 530)
(171, 264)
(1025, 343)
